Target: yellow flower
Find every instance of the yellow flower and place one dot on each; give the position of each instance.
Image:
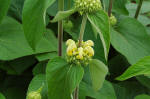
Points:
(80, 53)
(88, 43)
(89, 50)
(71, 49)
(70, 41)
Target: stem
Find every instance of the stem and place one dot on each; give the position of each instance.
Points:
(110, 7)
(60, 28)
(138, 9)
(76, 93)
(102, 3)
(69, 6)
(82, 29)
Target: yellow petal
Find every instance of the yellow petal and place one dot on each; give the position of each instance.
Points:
(70, 41)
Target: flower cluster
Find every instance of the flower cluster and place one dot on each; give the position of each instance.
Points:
(88, 6)
(79, 55)
(113, 20)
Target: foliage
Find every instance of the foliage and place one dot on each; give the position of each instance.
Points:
(107, 57)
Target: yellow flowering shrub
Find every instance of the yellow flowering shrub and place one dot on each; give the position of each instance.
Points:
(79, 55)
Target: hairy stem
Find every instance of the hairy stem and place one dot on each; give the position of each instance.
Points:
(76, 93)
(83, 24)
(138, 9)
(82, 29)
(60, 28)
(110, 7)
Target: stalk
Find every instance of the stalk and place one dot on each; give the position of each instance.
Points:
(138, 9)
(60, 28)
(76, 92)
(82, 29)
(69, 6)
(110, 7)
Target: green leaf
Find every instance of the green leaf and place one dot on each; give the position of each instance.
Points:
(34, 26)
(36, 83)
(66, 78)
(12, 41)
(21, 64)
(47, 43)
(98, 71)
(143, 96)
(4, 5)
(39, 68)
(133, 40)
(119, 6)
(145, 8)
(128, 89)
(104, 93)
(46, 56)
(142, 67)
(100, 22)
(74, 76)
(144, 80)
(53, 9)
(15, 9)
(2, 96)
(18, 66)
(63, 14)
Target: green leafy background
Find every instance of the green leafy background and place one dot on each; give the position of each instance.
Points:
(28, 51)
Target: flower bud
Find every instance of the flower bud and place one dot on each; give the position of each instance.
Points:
(113, 20)
(88, 43)
(34, 95)
(80, 53)
(71, 48)
(89, 50)
(70, 41)
(67, 24)
(88, 6)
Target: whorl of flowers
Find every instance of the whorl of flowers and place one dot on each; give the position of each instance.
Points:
(79, 55)
(88, 6)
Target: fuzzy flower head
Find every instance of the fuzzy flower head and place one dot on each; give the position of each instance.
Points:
(88, 6)
(79, 55)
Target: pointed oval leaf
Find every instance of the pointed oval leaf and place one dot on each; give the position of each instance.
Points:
(12, 41)
(63, 14)
(34, 20)
(131, 39)
(98, 72)
(142, 67)
(62, 78)
(75, 76)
